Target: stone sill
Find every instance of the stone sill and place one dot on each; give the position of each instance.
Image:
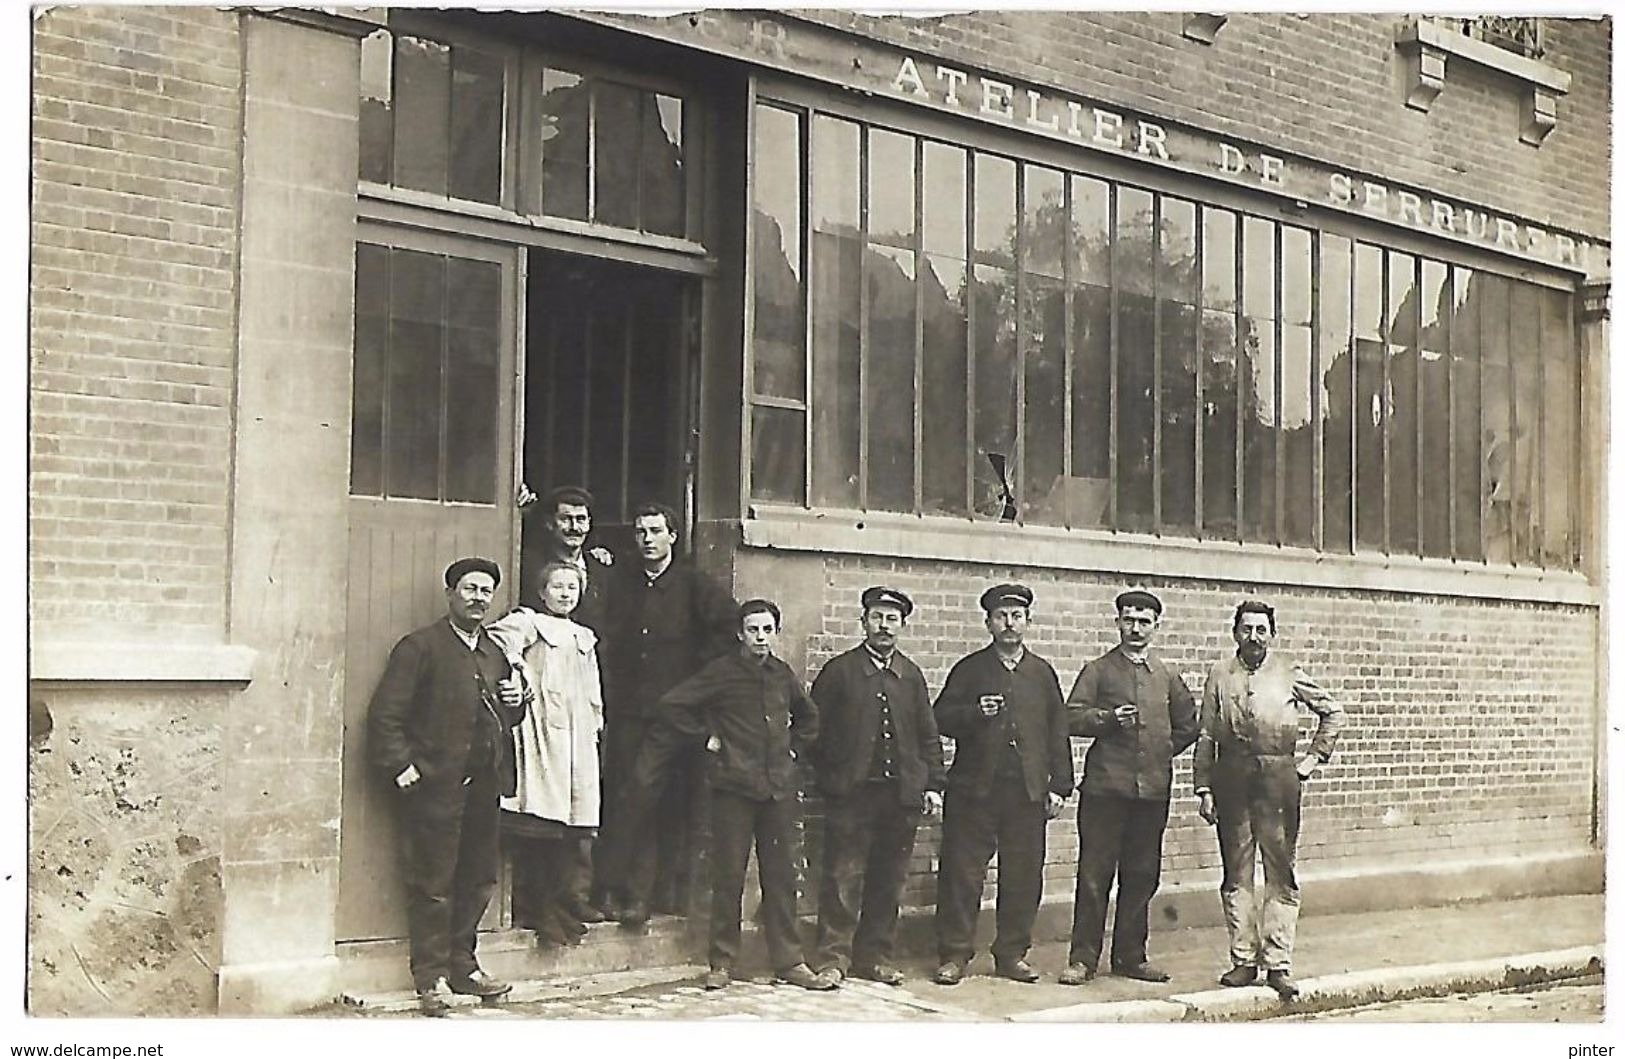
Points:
(1127, 554)
(1531, 71)
(1427, 48)
(88, 662)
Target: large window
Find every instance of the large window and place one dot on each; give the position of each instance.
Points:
(948, 331)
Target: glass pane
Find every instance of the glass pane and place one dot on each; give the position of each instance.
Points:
(417, 298)
(615, 154)
(1337, 393)
(995, 209)
(1136, 410)
(1297, 437)
(1561, 469)
(890, 383)
(1297, 264)
(1466, 295)
(1178, 417)
(778, 450)
(942, 426)
(1258, 437)
(655, 376)
(1177, 272)
(1258, 271)
(423, 113)
(473, 348)
(1218, 259)
(891, 188)
(1434, 467)
(1091, 231)
(569, 342)
(1088, 499)
(1403, 331)
(994, 426)
(1043, 438)
(603, 415)
(1526, 402)
(662, 187)
(476, 125)
(1219, 425)
(377, 107)
(367, 377)
(1370, 408)
(1136, 242)
(779, 335)
(1495, 336)
(1043, 221)
(563, 135)
(943, 185)
(837, 262)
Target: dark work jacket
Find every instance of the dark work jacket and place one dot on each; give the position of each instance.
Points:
(1032, 699)
(658, 634)
(759, 714)
(1134, 762)
(428, 711)
(848, 716)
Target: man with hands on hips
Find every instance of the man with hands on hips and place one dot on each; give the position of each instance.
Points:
(1249, 782)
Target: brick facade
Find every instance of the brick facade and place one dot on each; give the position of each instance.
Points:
(136, 148)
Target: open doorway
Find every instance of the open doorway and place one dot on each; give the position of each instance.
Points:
(608, 388)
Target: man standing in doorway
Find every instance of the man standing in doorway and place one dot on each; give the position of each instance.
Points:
(439, 731)
(1011, 775)
(879, 765)
(1249, 781)
(664, 621)
(1141, 716)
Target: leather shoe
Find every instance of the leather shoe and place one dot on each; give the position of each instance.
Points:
(635, 916)
(1015, 970)
(583, 911)
(479, 984)
(1077, 974)
(1281, 981)
(1242, 974)
(718, 978)
(1143, 972)
(435, 1000)
(832, 974)
(802, 975)
(880, 972)
(952, 972)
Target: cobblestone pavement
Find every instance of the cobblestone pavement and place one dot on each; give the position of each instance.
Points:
(1580, 1000)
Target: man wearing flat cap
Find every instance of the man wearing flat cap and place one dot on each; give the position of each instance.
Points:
(440, 734)
(1011, 775)
(878, 762)
(1140, 715)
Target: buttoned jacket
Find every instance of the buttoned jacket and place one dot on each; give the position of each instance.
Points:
(1033, 718)
(1248, 714)
(847, 691)
(1136, 760)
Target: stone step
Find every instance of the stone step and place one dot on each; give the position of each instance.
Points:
(372, 971)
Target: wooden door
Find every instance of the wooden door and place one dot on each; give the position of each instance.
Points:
(432, 479)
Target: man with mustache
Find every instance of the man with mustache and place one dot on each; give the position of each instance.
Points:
(1249, 783)
(879, 764)
(1141, 716)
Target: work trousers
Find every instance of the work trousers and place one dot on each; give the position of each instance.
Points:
(547, 872)
(868, 840)
(974, 828)
(449, 865)
(1257, 799)
(736, 822)
(650, 792)
(1122, 837)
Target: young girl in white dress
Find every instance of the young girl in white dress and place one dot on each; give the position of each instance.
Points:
(556, 805)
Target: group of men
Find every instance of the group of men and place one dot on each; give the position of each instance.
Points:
(693, 682)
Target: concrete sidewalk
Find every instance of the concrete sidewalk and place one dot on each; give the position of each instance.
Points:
(1342, 961)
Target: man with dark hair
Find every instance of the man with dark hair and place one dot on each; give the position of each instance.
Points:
(1141, 716)
(1249, 782)
(879, 765)
(1011, 775)
(752, 715)
(439, 733)
(664, 620)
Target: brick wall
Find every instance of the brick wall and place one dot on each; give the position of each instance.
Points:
(1471, 723)
(1326, 86)
(136, 138)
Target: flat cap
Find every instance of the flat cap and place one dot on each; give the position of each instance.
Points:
(881, 596)
(1007, 595)
(472, 565)
(1139, 597)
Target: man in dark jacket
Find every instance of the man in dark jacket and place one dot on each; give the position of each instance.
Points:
(879, 765)
(439, 732)
(1012, 773)
(752, 715)
(1141, 716)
